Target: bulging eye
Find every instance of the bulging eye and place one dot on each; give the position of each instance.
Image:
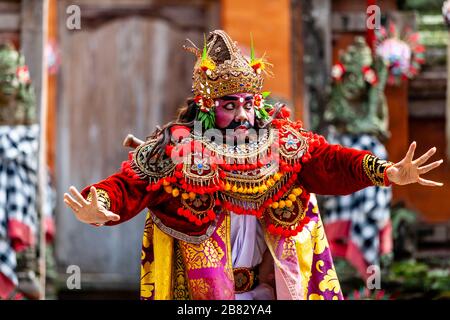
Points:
(248, 106)
(229, 106)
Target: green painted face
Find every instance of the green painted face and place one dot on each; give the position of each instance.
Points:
(355, 59)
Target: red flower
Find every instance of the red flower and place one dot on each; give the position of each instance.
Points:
(257, 67)
(258, 101)
(285, 112)
(197, 99)
(204, 104)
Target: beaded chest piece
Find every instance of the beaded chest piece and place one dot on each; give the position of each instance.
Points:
(259, 178)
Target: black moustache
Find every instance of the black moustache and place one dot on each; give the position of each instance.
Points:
(234, 124)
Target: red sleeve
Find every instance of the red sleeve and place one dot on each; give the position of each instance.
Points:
(333, 169)
(127, 193)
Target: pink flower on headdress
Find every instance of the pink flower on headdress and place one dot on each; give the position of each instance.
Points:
(23, 74)
(369, 75)
(337, 71)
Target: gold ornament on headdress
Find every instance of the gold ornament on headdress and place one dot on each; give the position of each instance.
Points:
(221, 69)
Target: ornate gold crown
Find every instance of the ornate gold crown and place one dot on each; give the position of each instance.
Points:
(221, 69)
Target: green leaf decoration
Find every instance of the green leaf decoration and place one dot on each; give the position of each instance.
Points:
(261, 114)
(268, 106)
(252, 49)
(208, 119)
(265, 94)
(204, 53)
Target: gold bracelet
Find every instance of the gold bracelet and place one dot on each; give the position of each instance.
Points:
(375, 169)
(102, 197)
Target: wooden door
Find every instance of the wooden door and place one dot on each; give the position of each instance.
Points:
(124, 72)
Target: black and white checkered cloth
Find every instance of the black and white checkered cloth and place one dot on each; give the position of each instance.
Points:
(18, 187)
(367, 210)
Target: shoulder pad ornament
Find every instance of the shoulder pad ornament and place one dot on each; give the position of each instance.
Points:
(153, 169)
(293, 145)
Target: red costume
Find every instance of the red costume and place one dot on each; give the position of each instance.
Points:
(196, 190)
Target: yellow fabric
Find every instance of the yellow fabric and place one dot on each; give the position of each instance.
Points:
(312, 240)
(305, 259)
(163, 251)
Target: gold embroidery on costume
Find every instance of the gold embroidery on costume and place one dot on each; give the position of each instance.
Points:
(374, 169)
(147, 279)
(294, 143)
(198, 170)
(319, 265)
(200, 287)
(148, 231)
(204, 255)
(145, 168)
(102, 197)
(180, 284)
(318, 235)
(330, 282)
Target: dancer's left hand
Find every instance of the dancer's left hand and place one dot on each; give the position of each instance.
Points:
(409, 171)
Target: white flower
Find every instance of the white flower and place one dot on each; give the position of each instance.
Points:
(290, 142)
(337, 71)
(200, 164)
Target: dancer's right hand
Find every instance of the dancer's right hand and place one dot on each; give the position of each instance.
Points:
(92, 212)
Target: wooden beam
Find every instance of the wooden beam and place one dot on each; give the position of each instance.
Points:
(10, 6)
